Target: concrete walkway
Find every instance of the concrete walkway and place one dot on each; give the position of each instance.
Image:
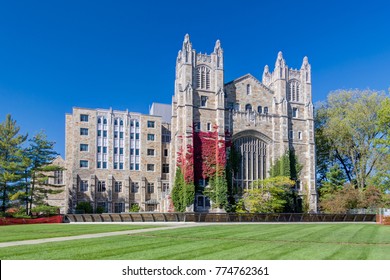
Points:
(97, 235)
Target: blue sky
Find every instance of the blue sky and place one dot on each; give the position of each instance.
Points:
(55, 55)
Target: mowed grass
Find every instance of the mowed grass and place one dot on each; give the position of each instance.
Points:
(218, 242)
(28, 232)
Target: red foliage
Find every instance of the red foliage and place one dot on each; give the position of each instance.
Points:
(206, 157)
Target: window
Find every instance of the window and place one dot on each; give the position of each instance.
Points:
(136, 124)
(208, 126)
(165, 187)
(237, 107)
(104, 150)
(150, 152)
(151, 124)
(103, 206)
(83, 163)
(295, 113)
(83, 131)
(248, 107)
(150, 188)
(101, 187)
(99, 149)
(104, 121)
(137, 136)
(137, 152)
(104, 133)
(203, 77)
(118, 207)
(115, 165)
(203, 101)
(131, 151)
(99, 164)
(118, 186)
(83, 147)
(121, 151)
(115, 151)
(291, 134)
(115, 122)
(165, 152)
(104, 165)
(300, 135)
(121, 122)
(248, 89)
(150, 167)
(134, 187)
(150, 137)
(83, 118)
(293, 93)
(265, 110)
(121, 135)
(83, 186)
(58, 177)
(137, 166)
(259, 109)
(115, 134)
(165, 168)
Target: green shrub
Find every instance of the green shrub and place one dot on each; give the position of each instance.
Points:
(45, 210)
(20, 215)
(134, 208)
(99, 210)
(84, 206)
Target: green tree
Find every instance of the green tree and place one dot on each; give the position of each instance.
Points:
(287, 165)
(41, 154)
(334, 181)
(267, 196)
(217, 190)
(349, 125)
(12, 160)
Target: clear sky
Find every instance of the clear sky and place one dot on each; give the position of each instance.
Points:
(55, 55)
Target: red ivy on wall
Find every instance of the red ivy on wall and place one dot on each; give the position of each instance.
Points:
(206, 157)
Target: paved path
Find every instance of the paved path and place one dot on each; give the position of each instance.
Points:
(95, 235)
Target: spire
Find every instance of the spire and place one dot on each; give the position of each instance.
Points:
(186, 49)
(280, 61)
(266, 76)
(305, 63)
(217, 46)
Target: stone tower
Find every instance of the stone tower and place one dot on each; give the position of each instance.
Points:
(199, 102)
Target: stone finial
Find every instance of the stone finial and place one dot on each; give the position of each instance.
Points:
(305, 63)
(280, 61)
(186, 38)
(217, 45)
(266, 69)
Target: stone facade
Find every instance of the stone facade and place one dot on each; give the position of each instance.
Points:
(263, 118)
(115, 159)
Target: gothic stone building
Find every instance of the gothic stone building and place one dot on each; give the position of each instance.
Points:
(117, 158)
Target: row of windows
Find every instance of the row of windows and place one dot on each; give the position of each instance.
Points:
(85, 118)
(298, 135)
(150, 136)
(118, 186)
(136, 166)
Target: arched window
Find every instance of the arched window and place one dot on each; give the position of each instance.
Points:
(293, 91)
(121, 122)
(248, 107)
(203, 77)
(104, 121)
(248, 89)
(259, 109)
(265, 110)
(99, 120)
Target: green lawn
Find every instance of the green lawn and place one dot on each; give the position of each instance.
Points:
(257, 241)
(27, 232)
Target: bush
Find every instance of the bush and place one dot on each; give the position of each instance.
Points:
(99, 210)
(135, 208)
(84, 206)
(45, 210)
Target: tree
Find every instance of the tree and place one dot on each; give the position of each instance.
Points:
(182, 193)
(267, 196)
(41, 154)
(348, 124)
(12, 160)
(334, 181)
